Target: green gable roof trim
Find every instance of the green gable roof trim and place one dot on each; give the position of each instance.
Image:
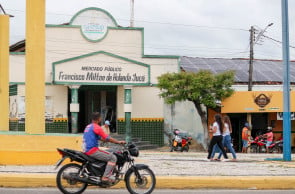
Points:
(93, 8)
(115, 28)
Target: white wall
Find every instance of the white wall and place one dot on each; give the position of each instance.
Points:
(63, 43)
(60, 99)
(146, 102)
(259, 87)
(17, 68)
(184, 116)
(59, 96)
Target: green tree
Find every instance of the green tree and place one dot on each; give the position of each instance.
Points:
(203, 88)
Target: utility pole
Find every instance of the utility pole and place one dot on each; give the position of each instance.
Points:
(253, 41)
(131, 13)
(250, 82)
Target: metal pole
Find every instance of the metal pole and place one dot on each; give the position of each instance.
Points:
(132, 13)
(286, 86)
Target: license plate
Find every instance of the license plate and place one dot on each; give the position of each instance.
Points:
(59, 162)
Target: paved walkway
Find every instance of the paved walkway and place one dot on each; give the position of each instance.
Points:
(192, 164)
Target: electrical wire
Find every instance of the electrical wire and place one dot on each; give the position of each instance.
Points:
(154, 22)
(270, 38)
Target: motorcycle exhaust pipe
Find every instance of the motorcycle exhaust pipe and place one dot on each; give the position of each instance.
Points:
(86, 180)
(69, 176)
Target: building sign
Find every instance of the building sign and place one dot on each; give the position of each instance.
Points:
(280, 116)
(255, 102)
(262, 100)
(94, 31)
(94, 23)
(101, 68)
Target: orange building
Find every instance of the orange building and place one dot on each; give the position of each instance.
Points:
(261, 107)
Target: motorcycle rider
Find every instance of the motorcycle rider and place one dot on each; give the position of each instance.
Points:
(269, 138)
(92, 134)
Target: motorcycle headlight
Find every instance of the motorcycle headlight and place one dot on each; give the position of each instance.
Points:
(134, 152)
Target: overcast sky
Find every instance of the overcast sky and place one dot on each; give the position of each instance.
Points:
(200, 28)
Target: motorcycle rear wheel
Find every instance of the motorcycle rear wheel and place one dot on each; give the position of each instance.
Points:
(66, 182)
(144, 186)
(276, 149)
(185, 148)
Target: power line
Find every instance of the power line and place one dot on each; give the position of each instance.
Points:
(154, 22)
(270, 38)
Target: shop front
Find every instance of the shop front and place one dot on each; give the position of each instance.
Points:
(90, 64)
(260, 108)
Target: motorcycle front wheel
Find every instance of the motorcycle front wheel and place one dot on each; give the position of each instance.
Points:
(143, 184)
(253, 149)
(66, 182)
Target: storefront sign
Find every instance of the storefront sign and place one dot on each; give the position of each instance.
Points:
(101, 69)
(280, 116)
(262, 100)
(255, 102)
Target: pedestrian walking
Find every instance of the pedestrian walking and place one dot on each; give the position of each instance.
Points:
(245, 137)
(226, 140)
(217, 130)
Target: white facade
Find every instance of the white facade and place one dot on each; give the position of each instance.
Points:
(70, 51)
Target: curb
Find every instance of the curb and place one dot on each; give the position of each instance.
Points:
(29, 180)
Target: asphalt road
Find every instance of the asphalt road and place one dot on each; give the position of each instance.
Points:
(112, 191)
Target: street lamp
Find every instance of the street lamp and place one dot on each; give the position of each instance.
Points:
(262, 32)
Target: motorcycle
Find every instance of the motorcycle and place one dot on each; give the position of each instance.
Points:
(258, 145)
(73, 178)
(180, 142)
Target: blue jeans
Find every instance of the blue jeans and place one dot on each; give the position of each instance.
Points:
(226, 142)
(245, 143)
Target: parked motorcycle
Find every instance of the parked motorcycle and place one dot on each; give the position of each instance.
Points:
(258, 145)
(73, 178)
(180, 142)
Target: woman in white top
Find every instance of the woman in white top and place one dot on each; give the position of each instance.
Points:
(227, 138)
(217, 131)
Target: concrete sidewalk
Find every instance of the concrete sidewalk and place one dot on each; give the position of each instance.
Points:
(181, 170)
